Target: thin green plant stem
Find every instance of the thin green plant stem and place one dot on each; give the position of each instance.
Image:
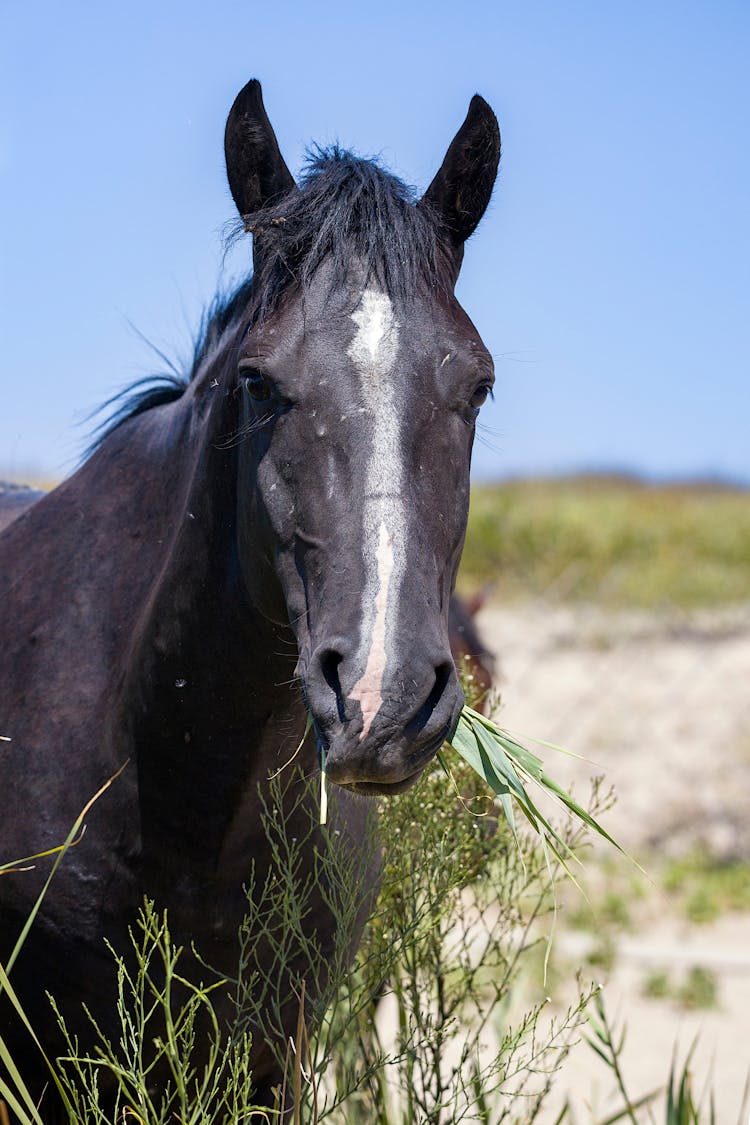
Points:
(605, 1034)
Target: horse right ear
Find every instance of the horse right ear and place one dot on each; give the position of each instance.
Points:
(461, 190)
(256, 170)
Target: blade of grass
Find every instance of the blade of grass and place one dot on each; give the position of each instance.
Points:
(323, 790)
(621, 1114)
(552, 746)
(27, 863)
(308, 725)
(75, 830)
(22, 1116)
(489, 760)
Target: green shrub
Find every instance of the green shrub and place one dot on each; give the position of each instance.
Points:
(699, 989)
(657, 985)
(462, 897)
(455, 922)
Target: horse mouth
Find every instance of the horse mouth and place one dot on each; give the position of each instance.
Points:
(382, 788)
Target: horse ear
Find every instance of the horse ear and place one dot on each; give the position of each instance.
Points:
(255, 167)
(462, 188)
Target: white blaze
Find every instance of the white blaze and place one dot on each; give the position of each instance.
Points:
(368, 690)
(374, 351)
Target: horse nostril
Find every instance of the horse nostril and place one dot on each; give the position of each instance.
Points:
(330, 660)
(443, 673)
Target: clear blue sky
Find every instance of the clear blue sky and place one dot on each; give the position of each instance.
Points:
(610, 279)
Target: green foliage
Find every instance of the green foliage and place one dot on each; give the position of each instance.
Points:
(657, 985)
(610, 540)
(608, 1043)
(507, 768)
(614, 893)
(461, 894)
(151, 1068)
(603, 954)
(699, 989)
(614, 911)
(417, 1030)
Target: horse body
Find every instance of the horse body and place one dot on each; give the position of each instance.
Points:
(261, 542)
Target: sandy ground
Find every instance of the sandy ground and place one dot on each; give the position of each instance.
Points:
(661, 704)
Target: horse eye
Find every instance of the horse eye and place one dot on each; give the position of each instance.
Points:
(257, 386)
(480, 395)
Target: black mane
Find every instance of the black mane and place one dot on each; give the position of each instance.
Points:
(346, 208)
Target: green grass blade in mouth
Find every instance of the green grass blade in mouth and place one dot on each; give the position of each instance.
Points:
(505, 765)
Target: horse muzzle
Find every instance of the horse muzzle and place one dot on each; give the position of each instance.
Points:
(378, 731)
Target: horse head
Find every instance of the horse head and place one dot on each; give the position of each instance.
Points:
(359, 379)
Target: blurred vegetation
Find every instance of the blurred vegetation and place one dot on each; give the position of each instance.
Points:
(707, 887)
(698, 990)
(612, 540)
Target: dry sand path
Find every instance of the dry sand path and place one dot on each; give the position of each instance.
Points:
(661, 704)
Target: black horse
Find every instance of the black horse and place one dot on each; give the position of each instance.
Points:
(277, 533)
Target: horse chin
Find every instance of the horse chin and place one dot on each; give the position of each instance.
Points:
(381, 788)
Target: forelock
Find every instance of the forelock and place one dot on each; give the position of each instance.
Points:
(347, 209)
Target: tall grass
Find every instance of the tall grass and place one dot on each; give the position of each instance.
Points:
(681, 1104)
(160, 1070)
(610, 540)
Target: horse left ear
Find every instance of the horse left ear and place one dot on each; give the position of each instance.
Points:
(256, 170)
(462, 188)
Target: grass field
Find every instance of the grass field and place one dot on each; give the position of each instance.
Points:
(611, 540)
